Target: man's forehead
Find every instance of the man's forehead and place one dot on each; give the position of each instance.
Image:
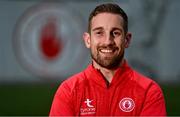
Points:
(106, 14)
(103, 19)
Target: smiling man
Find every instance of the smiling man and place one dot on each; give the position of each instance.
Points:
(108, 86)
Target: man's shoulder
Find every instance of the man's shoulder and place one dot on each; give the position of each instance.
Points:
(72, 82)
(75, 79)
(145, 82)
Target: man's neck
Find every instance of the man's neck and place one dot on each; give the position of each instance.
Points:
(107, 73)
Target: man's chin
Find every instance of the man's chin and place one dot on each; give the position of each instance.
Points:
(109, 64)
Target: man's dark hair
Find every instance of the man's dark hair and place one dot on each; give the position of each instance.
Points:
(109, 8)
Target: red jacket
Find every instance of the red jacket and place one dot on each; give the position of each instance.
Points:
(129, 94)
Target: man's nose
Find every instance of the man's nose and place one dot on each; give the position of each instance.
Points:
(109, 39)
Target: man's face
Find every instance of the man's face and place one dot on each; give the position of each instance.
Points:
(107, 40)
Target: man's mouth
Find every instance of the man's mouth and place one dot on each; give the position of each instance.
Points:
(107, 50)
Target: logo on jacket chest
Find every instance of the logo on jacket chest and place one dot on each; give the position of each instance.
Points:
(126, 104)
(88, 107)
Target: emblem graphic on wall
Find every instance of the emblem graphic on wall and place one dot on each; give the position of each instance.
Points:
(48, 40)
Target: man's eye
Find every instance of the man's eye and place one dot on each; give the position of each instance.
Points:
(115, 34)
(98, 32)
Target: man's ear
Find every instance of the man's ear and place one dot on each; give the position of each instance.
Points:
(128, 39)
(86, 37)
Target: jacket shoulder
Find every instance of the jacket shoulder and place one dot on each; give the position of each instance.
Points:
(145, 82)
(72, 82)
(154, 103)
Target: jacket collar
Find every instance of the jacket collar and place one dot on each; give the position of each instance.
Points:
(96, 76)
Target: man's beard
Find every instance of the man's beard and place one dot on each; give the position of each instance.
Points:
(106, 62)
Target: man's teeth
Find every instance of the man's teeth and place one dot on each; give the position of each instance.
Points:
(106, 51)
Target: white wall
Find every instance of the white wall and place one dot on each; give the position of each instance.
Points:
(150, 23)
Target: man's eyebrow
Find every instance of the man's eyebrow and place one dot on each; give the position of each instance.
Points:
(115, 28)
(97, 28)
(101, 28)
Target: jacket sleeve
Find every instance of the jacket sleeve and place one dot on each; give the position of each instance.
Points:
(62, 104)
(154, 104)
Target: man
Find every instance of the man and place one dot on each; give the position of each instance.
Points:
(108, 86)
